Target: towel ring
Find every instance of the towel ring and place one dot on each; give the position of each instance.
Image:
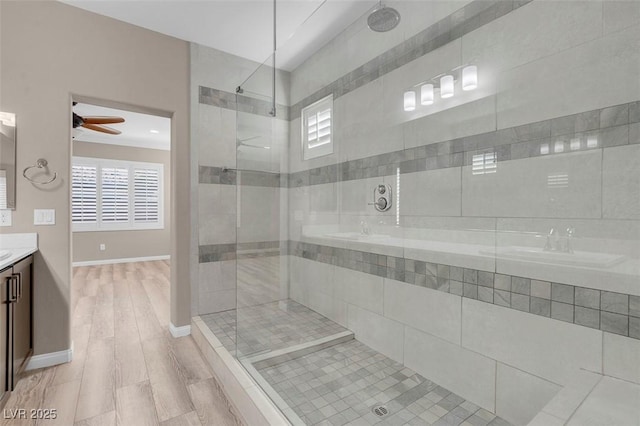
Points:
(40, 164)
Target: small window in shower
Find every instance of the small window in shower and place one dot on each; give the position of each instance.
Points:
(317, 129)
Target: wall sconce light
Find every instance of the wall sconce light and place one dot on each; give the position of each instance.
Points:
(469, 77)
(575, 144)
(409, 100)
(446, 86)
(426, 94)
(544, 149)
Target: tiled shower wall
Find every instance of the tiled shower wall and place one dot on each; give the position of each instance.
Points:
(561, 75)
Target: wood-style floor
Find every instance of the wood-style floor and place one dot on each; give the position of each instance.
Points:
(127, 369)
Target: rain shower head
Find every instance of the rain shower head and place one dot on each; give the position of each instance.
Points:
(383, 19)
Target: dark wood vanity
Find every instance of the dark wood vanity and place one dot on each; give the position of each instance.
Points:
(16, 323)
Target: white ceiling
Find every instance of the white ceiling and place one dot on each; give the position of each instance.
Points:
(136, 129)
(240, 27)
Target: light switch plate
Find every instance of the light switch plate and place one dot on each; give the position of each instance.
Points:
(44, 217)
(5, 217)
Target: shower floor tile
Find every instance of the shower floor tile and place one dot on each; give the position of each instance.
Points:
(340, 385)
(270, 326)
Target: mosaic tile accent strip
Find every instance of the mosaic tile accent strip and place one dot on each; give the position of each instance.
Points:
(339, 385)
(219, 252)
(470, 17)
(217, 175)
(227, 176)
(597, 129)
(607, 311)
(216, 252)
(242, 103)
(269, 327)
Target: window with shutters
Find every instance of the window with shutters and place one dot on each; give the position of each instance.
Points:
(317, 129)
(110, 195)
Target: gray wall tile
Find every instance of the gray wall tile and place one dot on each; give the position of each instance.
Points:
(471, 276)
(485, 294)
(485, 279)
(587, 317)
(614, 302)
(502, 298)
(540, 306)
(520, 302)
(614, 116)
(561, 311)
(587, 297)
(521, 285)
(502, 282)
(541, 289)
(634, 327)
(614, 323)
(470, 291)
(634, 306)
(562, 293)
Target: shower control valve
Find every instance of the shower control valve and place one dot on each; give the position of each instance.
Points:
(382, 198)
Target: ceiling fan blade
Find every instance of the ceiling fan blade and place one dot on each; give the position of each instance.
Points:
(103, 120)
(103, 129)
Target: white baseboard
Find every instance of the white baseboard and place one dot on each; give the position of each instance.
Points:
(185, 330)
(50, 359)
(122, 260)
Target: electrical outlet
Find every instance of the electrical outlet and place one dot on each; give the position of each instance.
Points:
(103, 247)
(5, 217)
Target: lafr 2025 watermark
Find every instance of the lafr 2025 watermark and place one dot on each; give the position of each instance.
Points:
(34, 413)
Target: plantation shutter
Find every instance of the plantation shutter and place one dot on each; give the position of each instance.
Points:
(84, 194)
(319, 128)
(115, 195)
(317, 138)
(146, 194)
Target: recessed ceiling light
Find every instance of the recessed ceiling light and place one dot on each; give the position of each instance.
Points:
(155, 132)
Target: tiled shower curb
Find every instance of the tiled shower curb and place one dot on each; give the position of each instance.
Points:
(247, 397)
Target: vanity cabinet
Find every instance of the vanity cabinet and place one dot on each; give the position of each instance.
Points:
(21, 334)
(16, 323)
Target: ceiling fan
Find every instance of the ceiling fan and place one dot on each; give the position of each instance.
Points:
(97, 123)
(241, 142)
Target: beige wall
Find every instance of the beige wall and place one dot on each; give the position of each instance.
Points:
(125, 244)
(51, 52)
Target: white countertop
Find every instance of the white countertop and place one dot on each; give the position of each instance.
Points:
(19, 245)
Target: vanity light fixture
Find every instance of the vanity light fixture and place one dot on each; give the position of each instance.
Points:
(446, 86)
(426, 94)
(469, 77)
(409, 100)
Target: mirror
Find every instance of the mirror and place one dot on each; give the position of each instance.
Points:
(7, 160)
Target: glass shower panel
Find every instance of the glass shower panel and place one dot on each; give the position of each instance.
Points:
(261, 154)
(504, 216)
